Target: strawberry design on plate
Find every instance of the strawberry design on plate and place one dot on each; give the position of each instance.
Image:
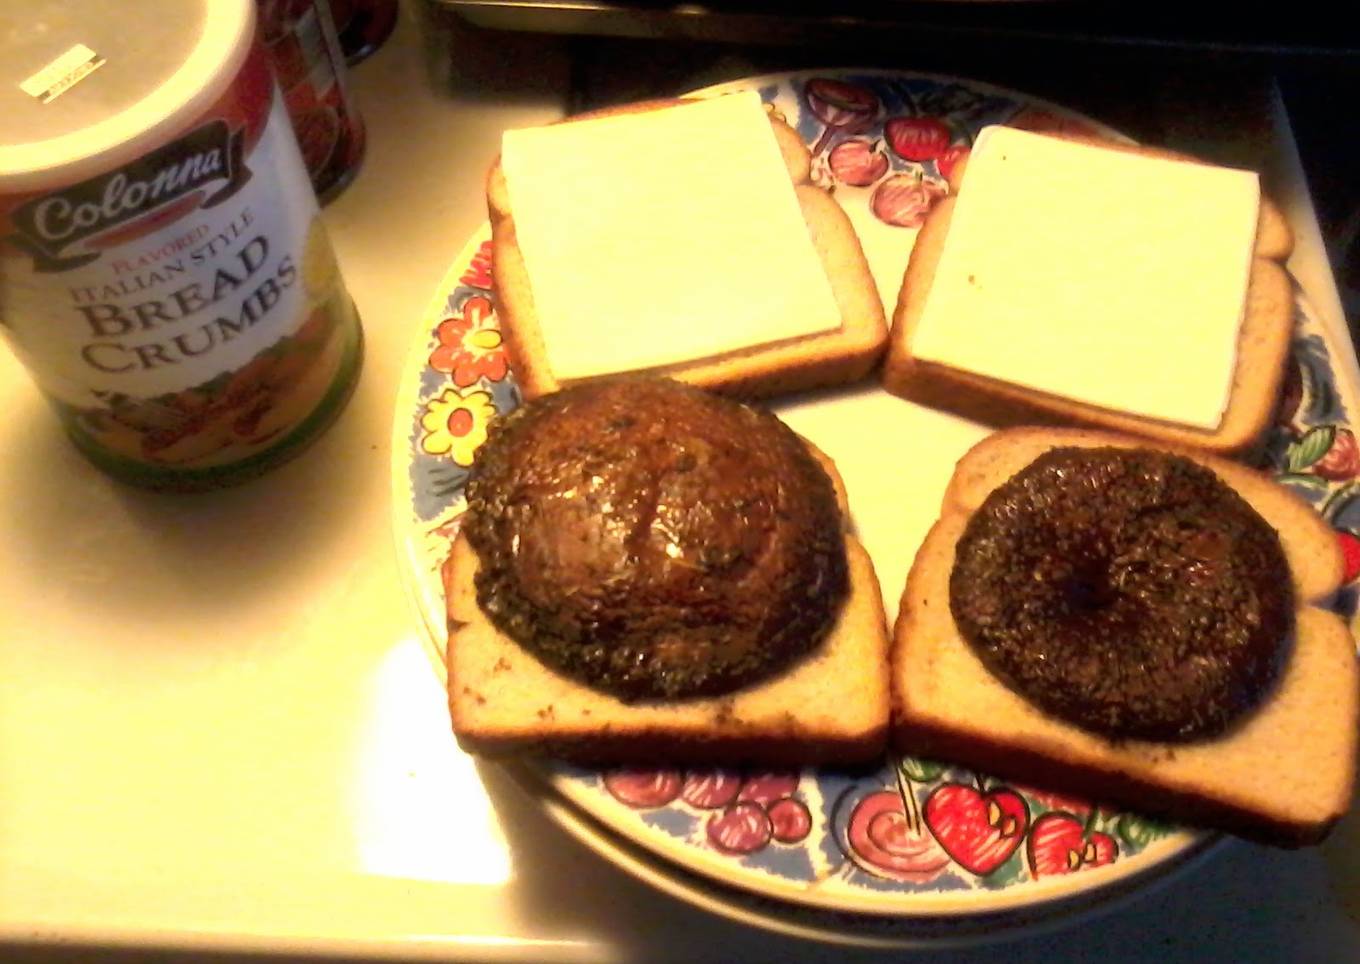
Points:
(951, 157)
(1059, 843)
(979, 830)
(1350, 551)
(917, 138)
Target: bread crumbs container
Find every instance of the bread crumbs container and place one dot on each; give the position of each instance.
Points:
(164, 273)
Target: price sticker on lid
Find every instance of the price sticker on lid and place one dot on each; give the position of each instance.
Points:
(62, 74)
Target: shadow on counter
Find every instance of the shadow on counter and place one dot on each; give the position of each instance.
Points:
(119, 549)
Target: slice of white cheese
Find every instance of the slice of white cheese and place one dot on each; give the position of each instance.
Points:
(657, 238)
(1096, 275)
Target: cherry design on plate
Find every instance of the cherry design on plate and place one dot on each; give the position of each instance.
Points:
(978, 830)
(904, 200)
(710, 789)
(766, 788)
(643, 789)
(857, 162)
(751, 810)
(742, 828)
(790, 819)
(758, 809)
(1060, 843)
(884, 839)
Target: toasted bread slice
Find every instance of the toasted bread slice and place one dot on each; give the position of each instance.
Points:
(829, 708)
(845, 354)
(1263, 343)
(1283, 774)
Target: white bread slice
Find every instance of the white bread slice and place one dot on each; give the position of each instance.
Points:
(829, 708)
(1263, 343)
(843, 355)
(1283, 774)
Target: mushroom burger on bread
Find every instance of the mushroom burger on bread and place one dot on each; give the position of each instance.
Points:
(650, 571)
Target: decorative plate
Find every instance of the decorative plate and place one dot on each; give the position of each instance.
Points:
(911, 839)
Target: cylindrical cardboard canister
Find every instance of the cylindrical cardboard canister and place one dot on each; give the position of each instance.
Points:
(165, 275)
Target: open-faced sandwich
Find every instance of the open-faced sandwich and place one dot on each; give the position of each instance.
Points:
(651, 573)
(1137, 623)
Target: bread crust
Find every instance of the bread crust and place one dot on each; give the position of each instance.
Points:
(1284, 774)
(831, 707)
(846, 354)
(1262, 344)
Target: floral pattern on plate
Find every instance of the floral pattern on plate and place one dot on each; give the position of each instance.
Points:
(912, 836)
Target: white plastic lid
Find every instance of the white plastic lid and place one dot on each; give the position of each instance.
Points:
(164, 62)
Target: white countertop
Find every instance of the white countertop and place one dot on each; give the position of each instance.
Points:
(219, 728)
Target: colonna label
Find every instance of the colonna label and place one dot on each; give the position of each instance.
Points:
(182, 310)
